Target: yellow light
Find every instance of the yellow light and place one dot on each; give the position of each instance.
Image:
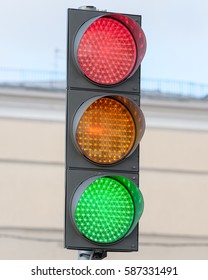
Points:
(106, 131)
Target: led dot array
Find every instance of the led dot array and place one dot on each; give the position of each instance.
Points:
(106, 132)
(105, 211)
(107, 51)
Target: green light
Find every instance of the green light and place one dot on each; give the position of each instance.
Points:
(105, 211)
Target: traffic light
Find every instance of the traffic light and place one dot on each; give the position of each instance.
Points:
(104, 125)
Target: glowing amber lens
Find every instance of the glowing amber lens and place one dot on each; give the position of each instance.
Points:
(106, 131)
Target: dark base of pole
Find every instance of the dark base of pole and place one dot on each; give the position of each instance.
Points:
(91, 255)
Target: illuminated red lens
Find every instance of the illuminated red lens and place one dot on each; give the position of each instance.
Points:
(107, 51)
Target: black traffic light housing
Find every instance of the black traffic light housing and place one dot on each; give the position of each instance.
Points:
(79, 168)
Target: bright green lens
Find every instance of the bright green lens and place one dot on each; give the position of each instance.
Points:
(105, 211)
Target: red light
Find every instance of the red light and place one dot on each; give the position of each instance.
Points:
(107, 51)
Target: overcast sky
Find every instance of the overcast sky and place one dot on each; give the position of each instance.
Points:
(176, 32)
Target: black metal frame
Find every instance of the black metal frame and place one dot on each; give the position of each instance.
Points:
(78, 168)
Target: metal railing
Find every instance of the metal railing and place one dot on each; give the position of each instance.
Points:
(175, 88)
(57, 80)
(8, 75)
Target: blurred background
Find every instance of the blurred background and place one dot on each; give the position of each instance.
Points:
(174, 153)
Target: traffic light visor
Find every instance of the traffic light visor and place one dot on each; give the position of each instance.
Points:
(109, 49)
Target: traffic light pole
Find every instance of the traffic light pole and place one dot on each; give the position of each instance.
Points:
(85, 255)
(91, 255)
